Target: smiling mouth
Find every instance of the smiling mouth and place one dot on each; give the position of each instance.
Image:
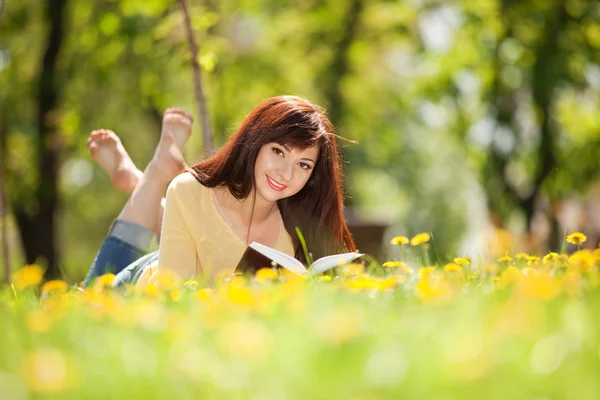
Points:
(275, 185)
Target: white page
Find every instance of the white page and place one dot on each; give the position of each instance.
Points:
(280, 258)
(328, 262)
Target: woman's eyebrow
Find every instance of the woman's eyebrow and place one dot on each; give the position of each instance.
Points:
(285, 146)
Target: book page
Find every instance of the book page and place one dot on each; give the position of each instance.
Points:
(328, 262)
(280, 258)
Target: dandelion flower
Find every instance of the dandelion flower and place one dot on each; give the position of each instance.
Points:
(522, 256)
(552, 256)
(325, 278)
(191, 284)
(29, 275)
(399, 240)
(393, 264)
(266, 274)
(505, 259)
(462, 261)
(105, 280)
(577, 238)
(426, 271)
(452, 267)
(175, 295)
(54, 286)
(532, 260)
(420, 239)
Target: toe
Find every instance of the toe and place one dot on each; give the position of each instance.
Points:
(180, 112)
(177, 119)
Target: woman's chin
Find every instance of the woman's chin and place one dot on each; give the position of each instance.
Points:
(271, 195)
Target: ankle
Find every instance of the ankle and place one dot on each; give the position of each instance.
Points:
(156, 171)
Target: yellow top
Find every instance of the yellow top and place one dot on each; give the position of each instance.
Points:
(195, 239)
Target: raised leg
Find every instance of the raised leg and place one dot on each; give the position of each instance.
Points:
(141, 217)
(166, 163)
(108, 151)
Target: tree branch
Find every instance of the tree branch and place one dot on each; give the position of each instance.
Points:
(207, 134)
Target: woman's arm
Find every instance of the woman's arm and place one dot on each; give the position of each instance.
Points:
(177, 248)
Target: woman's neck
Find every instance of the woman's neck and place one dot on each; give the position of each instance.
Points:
(244, 208)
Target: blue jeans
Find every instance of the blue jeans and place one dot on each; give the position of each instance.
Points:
(122, 253)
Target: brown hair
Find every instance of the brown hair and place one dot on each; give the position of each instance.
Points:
(317, 209)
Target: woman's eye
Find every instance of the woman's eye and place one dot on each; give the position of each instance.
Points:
(304, 166)
(277, 151)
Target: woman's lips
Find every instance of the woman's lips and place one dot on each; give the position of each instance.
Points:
(275, 185)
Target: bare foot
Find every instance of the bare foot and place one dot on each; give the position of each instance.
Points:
(168, 159)
(108, 151)
(178, 123)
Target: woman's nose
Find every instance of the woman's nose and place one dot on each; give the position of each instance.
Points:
(285, 171)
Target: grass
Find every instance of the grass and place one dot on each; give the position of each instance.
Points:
(513, 329)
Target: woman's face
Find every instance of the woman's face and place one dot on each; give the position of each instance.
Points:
(281, 171)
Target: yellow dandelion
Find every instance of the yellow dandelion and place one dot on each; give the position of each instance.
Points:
(105, 280)
(165, 279)
(420, 239)
(325, 278)
(191, 284)
(532, 260)
(505, 259)
(399, 240)
(54, 286)
(452, 267)
(205, 294)
(266, 274)
(363, 281)
(393, 264)
(552, 256)
(175, 295)
(388, 283)
(577, 238)
(425, 272)
(522, 256)
(583, 259)
(29, 275)
(495, 279)
(462, 261)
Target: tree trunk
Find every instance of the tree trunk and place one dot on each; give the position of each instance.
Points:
(339, 65)
(3, 207)
(546, 72)
(38, 227)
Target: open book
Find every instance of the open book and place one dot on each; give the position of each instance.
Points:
(258, 256)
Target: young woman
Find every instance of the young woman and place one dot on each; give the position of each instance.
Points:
(280, 170)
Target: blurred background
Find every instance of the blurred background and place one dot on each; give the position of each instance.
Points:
(477, 121)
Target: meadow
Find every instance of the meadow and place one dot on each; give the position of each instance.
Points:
(520, 327)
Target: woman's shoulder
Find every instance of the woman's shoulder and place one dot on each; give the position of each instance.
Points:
(186, 184)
